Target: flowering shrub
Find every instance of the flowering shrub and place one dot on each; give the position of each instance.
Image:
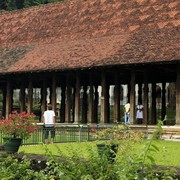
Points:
(19, 125)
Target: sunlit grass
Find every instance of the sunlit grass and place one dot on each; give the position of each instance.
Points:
(168, 154)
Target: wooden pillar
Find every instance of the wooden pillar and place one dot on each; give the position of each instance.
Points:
(77, 99)
(116, 99)
(30, 96)
(84, 105)
(50, 94)
(43, 98)
(68, 99)
(8, 98)
(12, 100)
(4, 102)
(128, 92)
(163, 112)
(140, 93)
(178, 96)
(53, 93)
(145, 104)
(22, 98)
(104, 99)
(96, 103)
(153, 110)
(73, 92)
(132, 97)
(91, 100)
(63, 100)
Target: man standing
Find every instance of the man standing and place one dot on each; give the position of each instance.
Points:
(49, 120)
(127, 113)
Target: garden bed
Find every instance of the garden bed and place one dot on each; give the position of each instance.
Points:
(39, 162)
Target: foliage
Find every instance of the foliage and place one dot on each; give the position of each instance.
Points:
(126, 165)
(169, 154)
(157, 133)
(10, 5)
(19, 125)
(77, 166)
(116, 133)
(11, 168)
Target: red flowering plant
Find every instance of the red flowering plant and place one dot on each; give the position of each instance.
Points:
(19, 125)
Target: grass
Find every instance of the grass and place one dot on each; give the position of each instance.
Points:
(169, 151)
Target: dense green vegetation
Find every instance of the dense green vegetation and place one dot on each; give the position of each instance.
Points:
(9, 5)
(82, 161)
(135, 159)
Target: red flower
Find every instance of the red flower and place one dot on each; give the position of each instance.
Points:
(19, 125)
(93, 129)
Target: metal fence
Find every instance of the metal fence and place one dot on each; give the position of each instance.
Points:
(63, 134)
(69, 133)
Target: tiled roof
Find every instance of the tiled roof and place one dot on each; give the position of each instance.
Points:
(85, 34)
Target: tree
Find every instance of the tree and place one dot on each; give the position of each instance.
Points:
(11, 5)
(27, 3)
(3, 4)
(19, 4)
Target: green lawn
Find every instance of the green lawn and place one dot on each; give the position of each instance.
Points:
(168, 154)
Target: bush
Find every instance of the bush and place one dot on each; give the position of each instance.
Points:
(76, 166)
(127, 164)
(11, 168)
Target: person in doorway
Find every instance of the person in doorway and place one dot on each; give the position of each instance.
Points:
(139, 114)
(49, 120)
(127, 113)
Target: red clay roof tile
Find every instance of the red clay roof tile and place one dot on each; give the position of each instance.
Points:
(86, 34)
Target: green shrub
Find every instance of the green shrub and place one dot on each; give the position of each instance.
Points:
(11, 168)
(127, 164)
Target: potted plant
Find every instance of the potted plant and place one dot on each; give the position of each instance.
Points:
(108, 140)
(19, 126)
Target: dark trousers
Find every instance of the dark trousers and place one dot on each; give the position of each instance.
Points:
(46, 131)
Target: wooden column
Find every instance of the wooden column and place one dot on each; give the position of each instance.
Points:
(53, 93)
(84, 105)
(91, 100)
(4, 101)
(104, 99)
(153, 110)
(178, 96)
(43, 98)
(132, 97)
(73, 92)
(30, 96)
(128, 92)
(22, 98)
(50, 94)
(145, 104)
(96, 103)
(8, 98)
(68, 99)
(163, 112)
(77, 99)
(140, 93)
(63, 100)
(116, 99)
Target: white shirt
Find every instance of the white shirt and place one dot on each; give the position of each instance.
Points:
(48, 116)
(139, 114)
(127, 108)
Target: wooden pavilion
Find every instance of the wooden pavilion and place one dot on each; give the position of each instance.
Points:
(78, 46)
